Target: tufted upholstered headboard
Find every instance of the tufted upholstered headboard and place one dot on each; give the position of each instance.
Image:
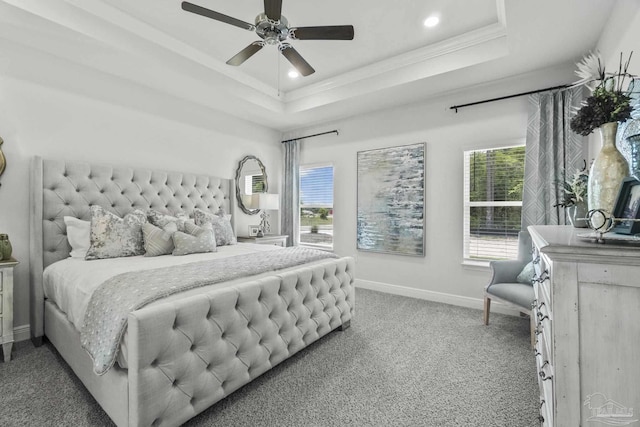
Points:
(60, 188)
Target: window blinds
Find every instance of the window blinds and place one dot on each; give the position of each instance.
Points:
(316, 205)
(493, 183)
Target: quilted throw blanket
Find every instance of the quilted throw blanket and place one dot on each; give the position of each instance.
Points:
(105, 320)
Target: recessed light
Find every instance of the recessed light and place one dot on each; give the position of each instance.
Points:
(294, 74)
(431, 21)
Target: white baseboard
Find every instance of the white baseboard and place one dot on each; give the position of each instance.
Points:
(21, 333)
(477, 303)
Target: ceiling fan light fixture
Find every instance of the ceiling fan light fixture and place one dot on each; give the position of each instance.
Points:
(431, 21)
(293, 74)
(273, 28)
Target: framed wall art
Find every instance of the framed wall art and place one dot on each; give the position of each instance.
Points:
(627, 207)
(391, 200)
(253, 230)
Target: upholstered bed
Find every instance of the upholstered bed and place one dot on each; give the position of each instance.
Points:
(187, 352)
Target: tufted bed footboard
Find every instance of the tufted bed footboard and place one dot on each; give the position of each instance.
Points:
(188, 354)
(185, 354)
(195, 351)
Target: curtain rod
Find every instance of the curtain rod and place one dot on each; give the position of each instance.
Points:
(314, 135)
(455, 107)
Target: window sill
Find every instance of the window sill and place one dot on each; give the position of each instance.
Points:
(473, 264)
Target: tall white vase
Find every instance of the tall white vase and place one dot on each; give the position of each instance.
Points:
(607, 171)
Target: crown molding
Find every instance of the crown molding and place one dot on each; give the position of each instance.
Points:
(63, 13)
(452, 45)
(111, 27)
(156, 36)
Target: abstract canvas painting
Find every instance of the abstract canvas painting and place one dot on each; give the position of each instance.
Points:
(391, 200)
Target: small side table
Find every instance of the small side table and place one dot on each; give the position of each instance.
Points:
(6, 306)
(269, 239)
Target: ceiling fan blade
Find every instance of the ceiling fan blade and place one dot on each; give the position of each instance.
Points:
(194, 8)
(333, 32)
(296, 60)
(245, 53)
(273, 9)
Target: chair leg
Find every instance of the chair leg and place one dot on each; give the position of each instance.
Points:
(487, 308)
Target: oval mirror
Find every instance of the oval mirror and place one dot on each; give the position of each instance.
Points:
(251, 178)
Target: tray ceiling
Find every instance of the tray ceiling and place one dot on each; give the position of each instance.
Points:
(161, 48)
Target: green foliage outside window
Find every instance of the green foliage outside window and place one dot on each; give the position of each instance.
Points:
(496, 175)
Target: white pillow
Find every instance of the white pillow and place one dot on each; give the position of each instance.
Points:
(78, 236)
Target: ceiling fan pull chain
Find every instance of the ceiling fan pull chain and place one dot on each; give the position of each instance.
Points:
(278, 72)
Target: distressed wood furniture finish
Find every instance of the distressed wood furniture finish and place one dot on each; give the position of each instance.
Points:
(269, 239)
(587, 313)
(6, 306)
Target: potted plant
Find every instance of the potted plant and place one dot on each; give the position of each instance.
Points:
(574, 197)
(608, 104)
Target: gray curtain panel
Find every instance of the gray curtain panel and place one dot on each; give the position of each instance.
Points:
(551, 149)
(290, 212)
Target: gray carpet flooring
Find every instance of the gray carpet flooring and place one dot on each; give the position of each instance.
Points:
(403, 362)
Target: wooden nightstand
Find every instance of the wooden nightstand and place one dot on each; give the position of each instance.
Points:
(269, 239)
(6, 306)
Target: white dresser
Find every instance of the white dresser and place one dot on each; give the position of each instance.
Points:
(587, 312)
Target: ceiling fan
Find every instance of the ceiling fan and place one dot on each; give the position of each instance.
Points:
(273, 28)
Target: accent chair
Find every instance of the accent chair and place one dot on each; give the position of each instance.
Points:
(504, 285)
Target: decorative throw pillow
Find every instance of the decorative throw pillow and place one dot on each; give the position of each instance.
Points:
(78, 235)
(156, 240)
(113, 237)
(222, 228)
(196, 240)
(168, 222)
(526, 275)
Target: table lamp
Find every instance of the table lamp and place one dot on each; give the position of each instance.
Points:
(265, 202)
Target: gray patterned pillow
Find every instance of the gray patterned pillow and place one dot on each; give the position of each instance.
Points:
(199, 240)
(156, 240)
(167, 222)
(221, 226)
(113, 237)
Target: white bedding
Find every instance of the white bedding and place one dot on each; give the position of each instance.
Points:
(69, 283)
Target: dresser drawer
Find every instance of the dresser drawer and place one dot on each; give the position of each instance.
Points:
(1, 306)
(265, 240)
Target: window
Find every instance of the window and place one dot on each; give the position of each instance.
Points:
(254, 184)
(493, 183)
(316, 206)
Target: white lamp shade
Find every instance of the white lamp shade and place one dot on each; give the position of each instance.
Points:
(265, 201)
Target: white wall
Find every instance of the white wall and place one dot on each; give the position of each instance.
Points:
(447, 135)
(620, 35)
(53, 123)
